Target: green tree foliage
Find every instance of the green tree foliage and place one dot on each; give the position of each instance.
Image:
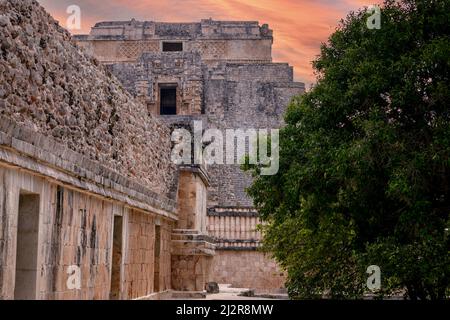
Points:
(364, 173)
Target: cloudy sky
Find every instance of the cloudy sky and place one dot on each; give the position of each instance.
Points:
(300, 26)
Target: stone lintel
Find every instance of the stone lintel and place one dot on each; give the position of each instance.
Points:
(205, 29)
(232, 212)
(192, 244)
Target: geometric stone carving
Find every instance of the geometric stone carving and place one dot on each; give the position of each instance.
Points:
(214, 49)
(134, 49)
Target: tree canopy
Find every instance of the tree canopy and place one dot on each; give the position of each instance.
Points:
(364, 174)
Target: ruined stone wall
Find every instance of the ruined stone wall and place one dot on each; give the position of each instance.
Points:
(238, 261)
(50, 85)
(191, 272)
(77, 200)
(247, 269)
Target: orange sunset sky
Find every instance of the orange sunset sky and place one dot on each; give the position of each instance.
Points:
(299, 26)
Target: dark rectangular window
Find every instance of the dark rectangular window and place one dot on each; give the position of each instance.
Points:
(172, 46)
(168, 101)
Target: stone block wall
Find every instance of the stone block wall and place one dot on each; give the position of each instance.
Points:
(139, 258)
(238, 260)
(75, 229)
(247, 269)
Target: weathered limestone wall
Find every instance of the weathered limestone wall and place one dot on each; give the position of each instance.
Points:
(192, 248)
(139, 258)
(238, 261)
(50, 85)
(75, 229)
(191, 272)
(247, 269)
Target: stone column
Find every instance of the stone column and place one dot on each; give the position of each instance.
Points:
(192, 248)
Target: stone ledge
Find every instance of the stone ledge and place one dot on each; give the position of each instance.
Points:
(237, 244)
(232, 248)
(51, 157)
(191, 235)
(162, 295)
(191, 242)
(232, 212)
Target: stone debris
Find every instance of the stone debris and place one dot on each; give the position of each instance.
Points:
(212, 287)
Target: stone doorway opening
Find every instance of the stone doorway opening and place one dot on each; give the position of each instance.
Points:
(116, 276)
(156, 286)
(168, 100)
(27, 247)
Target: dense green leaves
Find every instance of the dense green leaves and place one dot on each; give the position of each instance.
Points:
(364, 173)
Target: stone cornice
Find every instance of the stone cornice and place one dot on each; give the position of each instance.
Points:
(232, 212)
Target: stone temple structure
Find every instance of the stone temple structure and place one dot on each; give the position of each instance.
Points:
(91, 205)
